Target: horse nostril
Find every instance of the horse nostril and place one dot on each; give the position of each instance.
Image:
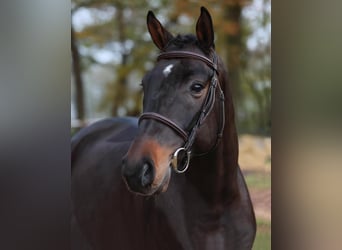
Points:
(123, 165)
(147, 174)
(123, 161)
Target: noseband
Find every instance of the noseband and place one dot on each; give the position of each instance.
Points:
(207, 106)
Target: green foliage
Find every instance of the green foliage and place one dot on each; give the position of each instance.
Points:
(263, 236)
(73, 131)
(119, 27)
(258, 180)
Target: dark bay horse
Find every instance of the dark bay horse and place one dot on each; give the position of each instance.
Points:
(169, 180)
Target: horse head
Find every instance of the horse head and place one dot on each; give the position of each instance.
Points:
(181, 115)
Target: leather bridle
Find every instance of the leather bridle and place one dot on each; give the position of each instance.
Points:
(207, 106)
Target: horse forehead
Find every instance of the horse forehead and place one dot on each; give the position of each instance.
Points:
(167, 70)
(162, 72)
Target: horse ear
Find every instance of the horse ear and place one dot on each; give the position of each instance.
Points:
(159, 34)
(205, 30)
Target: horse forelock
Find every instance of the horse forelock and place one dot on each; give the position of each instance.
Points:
(187, 41)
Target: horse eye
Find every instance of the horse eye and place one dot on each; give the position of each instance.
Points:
(196, 87)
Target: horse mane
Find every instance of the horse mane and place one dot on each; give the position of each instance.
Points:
(184, 41)
(230, 138)
(180, 41)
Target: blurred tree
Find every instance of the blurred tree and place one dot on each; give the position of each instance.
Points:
(77, 72)
(233, 37)
(256, 74)
(119, 29)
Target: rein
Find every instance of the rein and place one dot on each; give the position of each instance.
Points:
(207, 107)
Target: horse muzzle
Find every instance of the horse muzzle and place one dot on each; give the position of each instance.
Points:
(140, 176)
(145, 168)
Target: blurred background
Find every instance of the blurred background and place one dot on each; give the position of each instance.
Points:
(306, 109)
(111, 50)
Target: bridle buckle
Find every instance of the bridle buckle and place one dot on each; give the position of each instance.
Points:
(175, 160)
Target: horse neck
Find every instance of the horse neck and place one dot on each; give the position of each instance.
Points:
(215, 174)
(230, 144)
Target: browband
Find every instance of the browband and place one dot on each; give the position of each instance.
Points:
(187, 54)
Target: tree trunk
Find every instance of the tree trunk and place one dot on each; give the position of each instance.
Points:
(234, 45)
(76, 66)
(121, 81)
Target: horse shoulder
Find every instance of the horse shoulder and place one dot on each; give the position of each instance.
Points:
(96, 176)
(113, 130)
(112, 124)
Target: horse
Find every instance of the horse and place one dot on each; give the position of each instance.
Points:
(169, 179)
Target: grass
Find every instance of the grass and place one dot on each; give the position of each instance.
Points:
(263, 236)
(258, 181)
